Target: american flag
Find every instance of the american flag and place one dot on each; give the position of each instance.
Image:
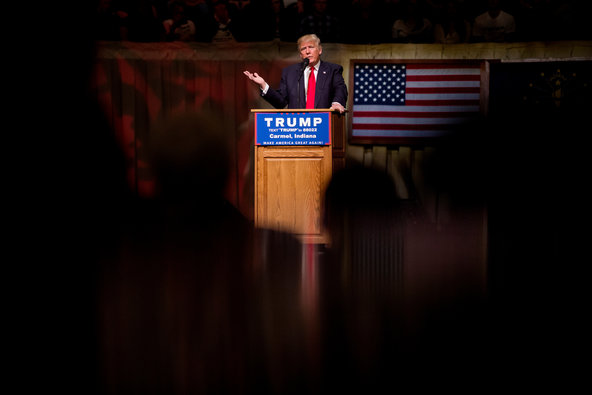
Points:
(420, 100)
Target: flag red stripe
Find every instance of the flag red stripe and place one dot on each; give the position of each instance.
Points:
(444, 77)
(421, 66)
(458, 89)
(442, 102)
(380, 126)
(411, 114)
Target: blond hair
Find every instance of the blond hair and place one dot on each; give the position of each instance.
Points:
(307, 38)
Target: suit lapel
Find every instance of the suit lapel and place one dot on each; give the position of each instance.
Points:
(321, 81)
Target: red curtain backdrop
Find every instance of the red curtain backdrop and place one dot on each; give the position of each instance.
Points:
(137, 84)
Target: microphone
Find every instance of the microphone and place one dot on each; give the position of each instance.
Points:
(303, 65)
(305, 62)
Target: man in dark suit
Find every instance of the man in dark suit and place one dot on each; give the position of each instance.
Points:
(329, 89)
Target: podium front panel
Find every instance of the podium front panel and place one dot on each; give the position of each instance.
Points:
(289, 186)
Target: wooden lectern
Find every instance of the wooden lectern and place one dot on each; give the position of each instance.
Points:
(290, 180)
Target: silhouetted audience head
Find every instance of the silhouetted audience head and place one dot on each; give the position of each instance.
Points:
(189, 155)
(360, 189)
(359, 202)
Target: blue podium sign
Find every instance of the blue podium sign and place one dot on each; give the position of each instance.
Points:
(300, 128)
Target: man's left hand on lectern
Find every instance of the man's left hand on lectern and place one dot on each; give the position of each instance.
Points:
(338, 107)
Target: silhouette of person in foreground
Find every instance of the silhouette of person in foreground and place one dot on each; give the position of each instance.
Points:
(360, 277)
(198, 300)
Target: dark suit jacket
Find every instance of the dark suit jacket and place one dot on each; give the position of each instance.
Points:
(330, 87)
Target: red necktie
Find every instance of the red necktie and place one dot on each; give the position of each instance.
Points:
(310, 95)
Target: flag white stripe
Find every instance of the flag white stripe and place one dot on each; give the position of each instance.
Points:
(407, 121)
(399, 133)
(364, 107)
(436, 71)
(443, 84)
(442, 96)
